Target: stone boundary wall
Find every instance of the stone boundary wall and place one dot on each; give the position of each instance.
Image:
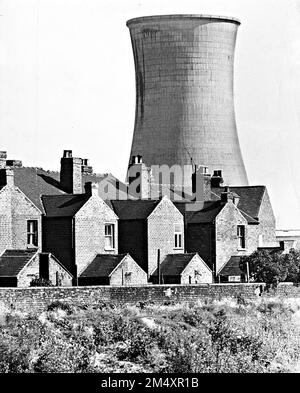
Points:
(37, 299)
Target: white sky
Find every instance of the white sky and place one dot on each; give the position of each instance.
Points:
(67, 82)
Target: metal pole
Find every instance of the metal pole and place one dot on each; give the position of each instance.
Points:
(158, 265)
(248, 276)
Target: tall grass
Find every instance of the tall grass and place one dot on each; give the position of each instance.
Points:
(216, 337)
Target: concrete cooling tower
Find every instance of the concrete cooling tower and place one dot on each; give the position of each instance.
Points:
(184, 93)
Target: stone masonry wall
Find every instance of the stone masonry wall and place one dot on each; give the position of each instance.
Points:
(37, 299)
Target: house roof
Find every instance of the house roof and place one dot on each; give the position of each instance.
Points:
(206, 214)
(174, 264)
(13, 261)
(103, 265)
(232, 267)
(34, 182)
(134, 209)
(63, 205)
(250, 198)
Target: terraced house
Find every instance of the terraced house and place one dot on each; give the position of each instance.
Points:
(77, 216)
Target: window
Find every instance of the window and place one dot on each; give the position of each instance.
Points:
(241, 236)
(178, 236)
(32, 233)
(234, 278)
(109, 236)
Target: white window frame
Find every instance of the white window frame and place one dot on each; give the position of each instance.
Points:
(111, 236)
(178, 237)
(239, 237)
(32, 234)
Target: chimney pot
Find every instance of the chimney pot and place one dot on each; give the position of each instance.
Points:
(67, 154)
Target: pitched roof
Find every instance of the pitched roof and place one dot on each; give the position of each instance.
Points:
(207, 214)
(134, 209)
(13, 261)
(174, 264)
(34, 182)
(232, 267)
(103, 265)
(63, 205)
(250, 198)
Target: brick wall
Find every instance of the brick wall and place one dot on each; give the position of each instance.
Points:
(22, 211)
(196, 264)
(37, 299)
(161, 226)
(15, 210)
(89, 231)
(137, 275)
(267, 221)
(226, 234)
(5, 219)
(31, 271)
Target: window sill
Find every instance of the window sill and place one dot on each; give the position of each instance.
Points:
(178, 248)
(109, 249)
(242, 249)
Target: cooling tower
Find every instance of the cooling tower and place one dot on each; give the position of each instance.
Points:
(184, 93)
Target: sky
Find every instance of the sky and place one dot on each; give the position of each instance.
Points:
(67, 82)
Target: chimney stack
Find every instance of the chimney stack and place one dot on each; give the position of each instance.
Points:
(91, 188)
(139, 178)
(70, 173)
(7, 177)
(226, 195)
(86, 168)
(201, 183)
(216, 179)
(3, 156)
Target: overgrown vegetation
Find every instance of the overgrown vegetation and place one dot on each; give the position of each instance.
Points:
(272, 267)
(219, 337)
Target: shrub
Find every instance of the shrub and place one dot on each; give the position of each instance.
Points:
(40, 282)
(57, 304)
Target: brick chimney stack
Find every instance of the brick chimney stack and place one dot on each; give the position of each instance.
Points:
(217, 179)
(7, 177)
(139, 178)
(201, 183)
(227, 195)
(91, 188)
(3, 156)
(71, 173)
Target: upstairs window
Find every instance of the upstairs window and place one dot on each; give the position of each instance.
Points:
(109, 236)
(241, 236)
(32, 233)
(178, 243)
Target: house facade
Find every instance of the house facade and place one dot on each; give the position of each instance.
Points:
(18, 268)
(20, 219)
(108, 269)
(77, 226)
(188, 268)
(146, 226)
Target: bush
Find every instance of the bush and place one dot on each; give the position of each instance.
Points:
(60, 305)
(40, 282)
(216, 337)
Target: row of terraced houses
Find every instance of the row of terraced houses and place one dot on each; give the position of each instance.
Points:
(67, 228)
